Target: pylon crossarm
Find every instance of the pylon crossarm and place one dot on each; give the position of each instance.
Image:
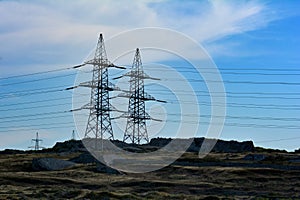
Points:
(148, 97)
(158, 120)
(103, 63)
(78, 66)
(146, 76)
(90, 84)
(144, 116)
(136, 74)
(128, 94)
(115, 66)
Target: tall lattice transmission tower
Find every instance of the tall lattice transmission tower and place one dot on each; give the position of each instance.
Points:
(99, 121)
(36, 141)
(136, 130)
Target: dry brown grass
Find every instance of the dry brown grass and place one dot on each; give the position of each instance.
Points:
(18, 181)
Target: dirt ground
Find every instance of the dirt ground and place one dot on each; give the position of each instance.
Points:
(218, 176)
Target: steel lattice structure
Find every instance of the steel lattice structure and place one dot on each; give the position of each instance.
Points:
(36, 141)
(136, 129)
(99, 121)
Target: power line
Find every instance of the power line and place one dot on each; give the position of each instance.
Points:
(195, 71)
(229, 72)
(36, 125)
(33, 102)
(30, 90)
(236, 82)
(59, 115)
(30, 129)
(229, 92)
(37, 118)
(225, 95)
(171, 121)
(34, 93)
(29, 115)
(36, 80)
(171, 101)
(33, 107)
(228, 69)
(42, 72)
(233, 117)
(226, 81)
(267, 106)
(175, 68)
(239, 124)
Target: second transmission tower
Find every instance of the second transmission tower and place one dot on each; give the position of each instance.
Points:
(136, 130)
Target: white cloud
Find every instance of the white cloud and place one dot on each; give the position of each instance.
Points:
(218, 19)
(32, 28)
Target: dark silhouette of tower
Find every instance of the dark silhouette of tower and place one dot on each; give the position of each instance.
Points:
(73, 135)
(136, 129)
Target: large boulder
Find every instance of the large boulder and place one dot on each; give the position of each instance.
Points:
(50, 164)
(84, 158)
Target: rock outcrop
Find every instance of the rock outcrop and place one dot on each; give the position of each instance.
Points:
(233, 146)
(220, 146)
(69, 146)
(50, 164)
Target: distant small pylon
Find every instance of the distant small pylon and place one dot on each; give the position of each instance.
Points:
(73, 135)
(37, 141)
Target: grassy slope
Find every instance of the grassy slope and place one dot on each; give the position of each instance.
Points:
(185, 179)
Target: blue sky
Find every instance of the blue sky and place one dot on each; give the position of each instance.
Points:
(44, 35)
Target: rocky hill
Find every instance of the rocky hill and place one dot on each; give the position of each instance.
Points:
(233, 170)
(154, 144)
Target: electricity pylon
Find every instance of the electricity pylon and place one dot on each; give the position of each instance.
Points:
(136, 129)
(36, 141)
(99, 121)
(73, 135)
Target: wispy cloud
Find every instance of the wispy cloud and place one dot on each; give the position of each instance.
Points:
(32, 29)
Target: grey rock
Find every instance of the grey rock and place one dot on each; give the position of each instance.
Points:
(255, 157)
(50, 164)
(84, 158)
